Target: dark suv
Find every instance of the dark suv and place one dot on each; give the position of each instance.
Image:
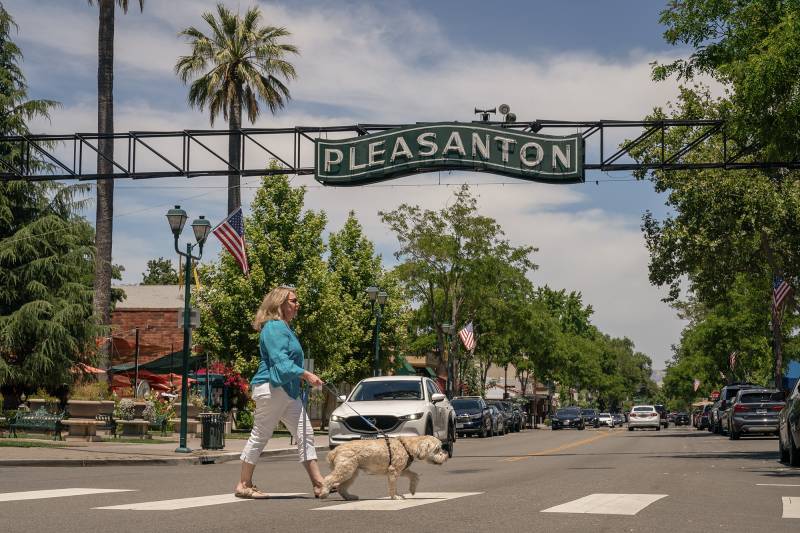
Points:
(726, 397)
(590, 417)
(662, 412)
(512, 418)
(472, 416)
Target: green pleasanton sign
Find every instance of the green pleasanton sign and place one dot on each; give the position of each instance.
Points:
(449, 146)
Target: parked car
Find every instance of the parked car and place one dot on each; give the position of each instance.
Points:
(512, 420)
(713, 417)
(605, 419)
(644, 416)
(726, 396)
(568, 417)
(681, 419)
(472, 416)
(397, 406)
(498, 420)
(755, 411)
(523, 416)
(590, 417)
(704, 417)
(662, 413)
(619, 419)
(789, 429)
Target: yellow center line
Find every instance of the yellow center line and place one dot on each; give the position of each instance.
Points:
(559, 448)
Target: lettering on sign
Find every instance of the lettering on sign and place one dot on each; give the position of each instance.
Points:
(449, 146)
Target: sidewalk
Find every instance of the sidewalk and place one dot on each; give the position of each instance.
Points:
(78, 453)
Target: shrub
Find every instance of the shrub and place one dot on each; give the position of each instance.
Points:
(157, 409)
(44, 395)
(125, 409)
(196, 400)
(244, 420)
(90, 390)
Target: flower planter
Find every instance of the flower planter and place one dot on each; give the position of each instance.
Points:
(38, 403)
(106, 407)
(192, 411)
(139, 409)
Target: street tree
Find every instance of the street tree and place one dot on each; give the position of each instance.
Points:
(104, 220)
(160, 272)
(237, 64)
(46, 255)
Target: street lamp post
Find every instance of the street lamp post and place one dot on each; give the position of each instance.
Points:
(374, 294)
(201, 228)
(449, 330)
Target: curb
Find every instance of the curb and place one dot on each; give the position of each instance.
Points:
(199, 459)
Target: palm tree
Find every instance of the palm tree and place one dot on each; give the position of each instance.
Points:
(104, 222)
(239, 63)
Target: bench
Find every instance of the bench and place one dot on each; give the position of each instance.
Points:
(38, 420)
(134, 428)
(85, 428)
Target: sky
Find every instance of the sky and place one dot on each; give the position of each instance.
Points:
(399, 61)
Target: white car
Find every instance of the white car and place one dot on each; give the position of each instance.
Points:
(644, 416)
(605, 419)
(399, 406)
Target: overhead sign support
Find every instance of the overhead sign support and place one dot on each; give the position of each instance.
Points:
(433, 147)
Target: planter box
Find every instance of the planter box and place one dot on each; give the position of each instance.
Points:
(191, 410)
(138, 409)
(85, 408)
(133, 428)
(37, 403)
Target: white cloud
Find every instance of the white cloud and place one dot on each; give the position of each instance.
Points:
(357, 67)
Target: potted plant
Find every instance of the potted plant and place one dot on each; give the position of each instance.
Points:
(43, 400)
(89, 399)
(195, 405)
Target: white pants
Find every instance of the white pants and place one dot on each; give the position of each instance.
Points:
(271, 406)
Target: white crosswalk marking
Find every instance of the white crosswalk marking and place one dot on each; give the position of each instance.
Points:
(53, 493)
(385, 504)
(188, 503)
(791, 507)
(624, 504)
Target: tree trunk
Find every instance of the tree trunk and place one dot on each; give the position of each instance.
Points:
(104, 222)
(234, 154)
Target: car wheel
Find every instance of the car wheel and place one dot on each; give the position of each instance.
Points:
(581, 427)
(782, 451)
(733, 435)
(630, 428)
(794, 453)
(483, 431)
(429, 428)
(658, 428)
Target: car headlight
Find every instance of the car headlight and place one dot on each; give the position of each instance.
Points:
(477, 416)
(337, 418)
(415, 416)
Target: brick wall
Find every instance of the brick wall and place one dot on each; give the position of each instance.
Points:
(159, 334)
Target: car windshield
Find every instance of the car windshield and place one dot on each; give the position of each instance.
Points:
(368, 391)
(567, 412)
(589, 412)
(466, 405)
(644, 409)
(759, 397)
(605, 414)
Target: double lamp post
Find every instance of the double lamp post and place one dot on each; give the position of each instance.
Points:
(449, 330)
(201, 227)
(374, 294)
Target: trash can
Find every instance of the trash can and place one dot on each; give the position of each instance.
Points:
(213, 431)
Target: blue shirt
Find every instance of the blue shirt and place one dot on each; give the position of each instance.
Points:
(281, 358)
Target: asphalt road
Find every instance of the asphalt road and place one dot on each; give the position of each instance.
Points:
(673, 480)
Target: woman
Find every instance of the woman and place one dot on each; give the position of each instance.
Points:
(276, 390)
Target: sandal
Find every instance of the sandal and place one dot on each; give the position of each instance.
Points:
(251, 493)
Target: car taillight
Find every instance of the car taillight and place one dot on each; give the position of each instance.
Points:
(739, 408)
(776, 408)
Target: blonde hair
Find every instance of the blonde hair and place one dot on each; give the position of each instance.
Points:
(270, 308)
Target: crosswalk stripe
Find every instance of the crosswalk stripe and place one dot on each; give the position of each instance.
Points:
(53, 493)
(385, 504)
(188, 503)
(623, 504)
(791, 507)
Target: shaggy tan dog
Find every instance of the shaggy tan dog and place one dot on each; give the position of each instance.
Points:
(372, 456)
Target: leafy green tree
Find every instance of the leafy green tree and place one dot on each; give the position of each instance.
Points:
(104, 220)
(238, 63)
(160, 272)
(442, 254)
(46, 255)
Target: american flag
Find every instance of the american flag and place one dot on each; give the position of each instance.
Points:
(780, 291)
(230, 233)
(732, 360)
(467, 337)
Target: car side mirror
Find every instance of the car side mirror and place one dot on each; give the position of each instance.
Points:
(437, 397)
(341, 398)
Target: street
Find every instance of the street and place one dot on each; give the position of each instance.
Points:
(678, 479)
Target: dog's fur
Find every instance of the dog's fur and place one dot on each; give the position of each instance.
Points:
(372, 456)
